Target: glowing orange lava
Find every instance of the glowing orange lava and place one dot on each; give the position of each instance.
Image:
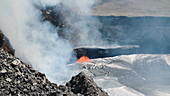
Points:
(83, 59)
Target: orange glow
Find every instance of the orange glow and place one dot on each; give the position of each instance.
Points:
(83, 59)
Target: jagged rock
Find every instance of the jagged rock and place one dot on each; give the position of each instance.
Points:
(5, 44)
(85, 85)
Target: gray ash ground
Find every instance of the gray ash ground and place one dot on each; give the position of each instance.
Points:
(18, 78)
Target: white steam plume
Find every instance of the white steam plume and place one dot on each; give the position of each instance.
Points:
(35, 41)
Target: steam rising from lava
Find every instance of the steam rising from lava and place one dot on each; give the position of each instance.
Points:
(36, 41)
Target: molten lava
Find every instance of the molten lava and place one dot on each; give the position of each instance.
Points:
(83, 59)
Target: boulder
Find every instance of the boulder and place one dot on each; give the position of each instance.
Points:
(85, 85)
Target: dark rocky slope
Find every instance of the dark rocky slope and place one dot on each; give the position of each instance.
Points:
(18, 78)
(5, 44)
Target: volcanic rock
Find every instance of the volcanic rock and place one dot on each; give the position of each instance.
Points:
(18, 78)
(85, 85)
(5, 44)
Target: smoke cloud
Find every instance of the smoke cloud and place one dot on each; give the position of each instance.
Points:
(36, 41)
